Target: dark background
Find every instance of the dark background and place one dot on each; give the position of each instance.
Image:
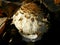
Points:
(52, 37)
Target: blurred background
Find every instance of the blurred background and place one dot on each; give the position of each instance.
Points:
(9, 7)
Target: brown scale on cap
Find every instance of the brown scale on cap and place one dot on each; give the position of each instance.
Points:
(21, 12)
(16, 14)
(30, 8)
(21, 30)
(38, 33)
(32, 19)
(20, 19)
(27, 16)
(37, 19)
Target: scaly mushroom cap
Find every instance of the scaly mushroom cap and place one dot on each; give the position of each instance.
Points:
(29, 21)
